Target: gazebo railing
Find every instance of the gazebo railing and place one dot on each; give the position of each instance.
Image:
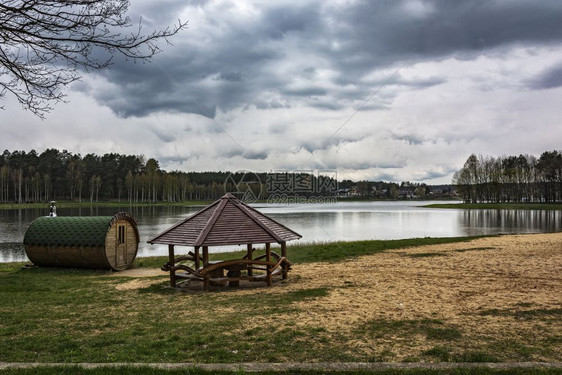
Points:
(213, 272)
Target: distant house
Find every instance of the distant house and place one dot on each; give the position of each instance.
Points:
(442, 191)
(343, 193)
(405, 194)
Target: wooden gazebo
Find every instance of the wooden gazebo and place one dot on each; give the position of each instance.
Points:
(228, 221)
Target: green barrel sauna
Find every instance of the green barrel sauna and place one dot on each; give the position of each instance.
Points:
(104, 242)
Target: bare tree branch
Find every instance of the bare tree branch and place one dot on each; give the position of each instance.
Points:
(45, 44)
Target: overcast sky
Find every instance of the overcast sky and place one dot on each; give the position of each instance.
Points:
(378, 90)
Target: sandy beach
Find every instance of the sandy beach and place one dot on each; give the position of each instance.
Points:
(503, 290)
(483, 287)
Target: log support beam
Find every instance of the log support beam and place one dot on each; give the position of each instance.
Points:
(205, 256)
(285, 265)
(171, 262)
(197, 258)
(268, 259)
(250, 255)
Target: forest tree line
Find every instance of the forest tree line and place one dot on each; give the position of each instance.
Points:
(523, 178)
(27, 177)
(53, 174)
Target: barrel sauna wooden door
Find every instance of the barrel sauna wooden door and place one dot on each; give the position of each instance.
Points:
(121, 251)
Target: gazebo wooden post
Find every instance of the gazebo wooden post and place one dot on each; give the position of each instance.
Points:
(205, 256)
(197, 263)
(171, 262)
(205, 264)
(268, 259)
(250, 256)
(284, 255)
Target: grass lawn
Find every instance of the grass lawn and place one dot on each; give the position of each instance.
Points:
(72, 370)
(71, 315)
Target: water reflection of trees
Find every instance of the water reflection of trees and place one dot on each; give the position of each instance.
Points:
(510, 221)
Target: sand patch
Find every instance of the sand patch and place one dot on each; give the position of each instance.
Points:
(134, 284)
(140, 277)
(459, 284)
(140, 272)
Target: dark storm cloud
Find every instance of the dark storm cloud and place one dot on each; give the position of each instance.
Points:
(270, 103)
(326, 103)
(242, 63)
(383, 177)
(163, 136)
(244, 151)
(420, 83)
(309, 91)
(280, 21)
(231, 152)
(255, 155)
(433, 174)
(548, 79)
(194, 80)
(364, 165)
(379, 33)
(411, 139)
(229, 76)
(334, 141)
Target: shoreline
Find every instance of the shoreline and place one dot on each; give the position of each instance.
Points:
(437, 203)
(308, 247)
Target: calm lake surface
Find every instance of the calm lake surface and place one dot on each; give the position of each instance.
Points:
(341, 221)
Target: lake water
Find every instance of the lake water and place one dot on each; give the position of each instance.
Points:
(341, 221)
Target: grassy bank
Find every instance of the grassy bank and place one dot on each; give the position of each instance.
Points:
(498, 206)
(69, 316)
(326, 252)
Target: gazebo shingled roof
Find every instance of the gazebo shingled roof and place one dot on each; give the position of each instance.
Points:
(228, 221)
